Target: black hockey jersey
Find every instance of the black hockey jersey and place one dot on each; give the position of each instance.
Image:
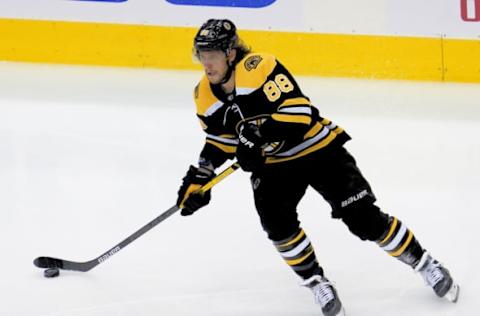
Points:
(265, 94)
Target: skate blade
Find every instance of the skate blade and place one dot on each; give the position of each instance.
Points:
(453, 293)
(342, 312)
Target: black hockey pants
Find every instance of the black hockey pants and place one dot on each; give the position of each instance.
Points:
(278, 188)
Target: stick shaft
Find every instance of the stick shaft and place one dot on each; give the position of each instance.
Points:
(49, 262)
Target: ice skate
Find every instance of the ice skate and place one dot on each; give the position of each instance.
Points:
(325, 295)
(438, 277)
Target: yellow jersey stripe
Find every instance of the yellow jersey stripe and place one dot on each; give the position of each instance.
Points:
(290, 118)
(230, 136)
(338, 130)
(226, 148)
(313, 131)
(295, 101)
(325, 121)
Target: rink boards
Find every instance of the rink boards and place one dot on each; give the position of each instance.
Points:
(435, 40)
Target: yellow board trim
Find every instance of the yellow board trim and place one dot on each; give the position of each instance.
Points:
(338, 55)
(107, 44)
(461, 60)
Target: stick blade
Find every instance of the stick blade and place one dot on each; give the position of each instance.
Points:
(48, 263)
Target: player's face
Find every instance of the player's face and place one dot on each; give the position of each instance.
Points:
(214, 63)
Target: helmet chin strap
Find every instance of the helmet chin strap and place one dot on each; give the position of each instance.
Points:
(228, 74)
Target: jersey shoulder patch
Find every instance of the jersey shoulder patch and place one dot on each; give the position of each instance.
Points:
(252, 71)
(252, 62)
(205, 100)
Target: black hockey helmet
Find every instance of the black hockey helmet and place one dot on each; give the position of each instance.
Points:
(216, 34)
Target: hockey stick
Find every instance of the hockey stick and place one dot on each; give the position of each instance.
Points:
(49, 262)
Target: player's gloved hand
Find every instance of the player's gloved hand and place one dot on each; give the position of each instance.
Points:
(188, 200)
(250, 154)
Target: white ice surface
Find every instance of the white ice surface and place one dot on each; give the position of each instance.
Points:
(89, 155)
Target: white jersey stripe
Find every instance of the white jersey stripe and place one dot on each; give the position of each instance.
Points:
(223, 140)
(296, 109)
(244, 91)
(213, 108)
(294, 150)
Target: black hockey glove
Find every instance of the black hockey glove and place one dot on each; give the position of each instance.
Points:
(188, 200)
(250, 154)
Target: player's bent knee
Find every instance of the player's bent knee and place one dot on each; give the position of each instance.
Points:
(278, 221)
(279, 229)
(367, 222)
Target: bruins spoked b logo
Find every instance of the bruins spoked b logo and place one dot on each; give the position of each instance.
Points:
(252, 62)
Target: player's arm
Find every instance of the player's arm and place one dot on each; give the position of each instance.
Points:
(217, 149)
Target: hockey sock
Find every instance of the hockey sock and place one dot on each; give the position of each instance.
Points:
(399, 242)
(298, 253)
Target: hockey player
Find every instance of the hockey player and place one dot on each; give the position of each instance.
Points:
(251, 108)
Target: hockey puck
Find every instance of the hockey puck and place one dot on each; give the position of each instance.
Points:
(51, 273)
